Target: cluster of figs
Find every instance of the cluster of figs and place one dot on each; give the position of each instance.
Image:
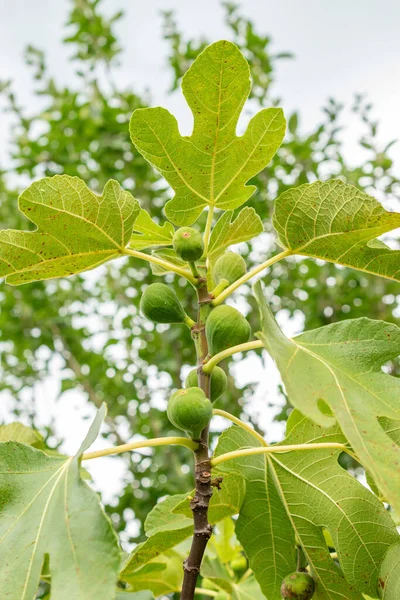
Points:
(189, 409)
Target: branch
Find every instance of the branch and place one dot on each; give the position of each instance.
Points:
(223, 295)
(165, 441)
(278, 449)
(214, 360)
(199, 505)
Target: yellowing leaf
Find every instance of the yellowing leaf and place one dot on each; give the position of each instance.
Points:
(212, 166)
(341, 365)
(76, 229)
(46, 508)
(147, 233)
(338, 223)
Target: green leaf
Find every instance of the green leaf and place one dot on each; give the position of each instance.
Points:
(338, 223)
(163, 576)
(17, 432)
(147, 233)
(210, 167)
(143, 595)
(48, 509)
(292, 497)
(215, 571)
(224, 541)
(246, 226)
(389, 580)
(171, 521)
(169, 255)
(76, 229)
(341, 365)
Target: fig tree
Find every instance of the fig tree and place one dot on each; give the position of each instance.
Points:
(230, 266)
(161, 305)
(226, 327)
(298, 586)
(190, 410)
(188, 244)
(218, 382)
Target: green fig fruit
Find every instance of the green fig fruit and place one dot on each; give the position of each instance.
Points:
(190, 410)
(298, 586)
(230, 266)
(226, 327)
(219, 382)
(239, 565)
(161, 305)
(188, 244)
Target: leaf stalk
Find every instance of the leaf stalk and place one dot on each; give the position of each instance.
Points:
(164, 441)
(277, 449)
(214, 360)
(161, 263)
(249, 275)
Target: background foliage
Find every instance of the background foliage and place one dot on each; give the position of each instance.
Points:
(83, 130)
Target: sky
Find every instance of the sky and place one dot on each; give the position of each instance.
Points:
(341, 48)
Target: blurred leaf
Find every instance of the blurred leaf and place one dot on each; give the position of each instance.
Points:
(171, 522)
(17, 432)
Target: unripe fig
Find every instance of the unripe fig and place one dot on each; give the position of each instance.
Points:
(226, 327)
(229, 266)
(188, 243)
(160, 304)
(218, 382)
(190, 410)
(298, 586)
(239, 565)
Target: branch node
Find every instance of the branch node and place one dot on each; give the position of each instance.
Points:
(216, 482)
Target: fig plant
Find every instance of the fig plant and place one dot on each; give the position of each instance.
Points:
(308, 527)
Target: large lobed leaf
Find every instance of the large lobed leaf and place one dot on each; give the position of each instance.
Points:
(341, 365)
(212, 166)
(292, 498)
(46, 509)
(338, 223)
(76, 229)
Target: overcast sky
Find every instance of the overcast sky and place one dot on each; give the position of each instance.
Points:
(341, 47)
